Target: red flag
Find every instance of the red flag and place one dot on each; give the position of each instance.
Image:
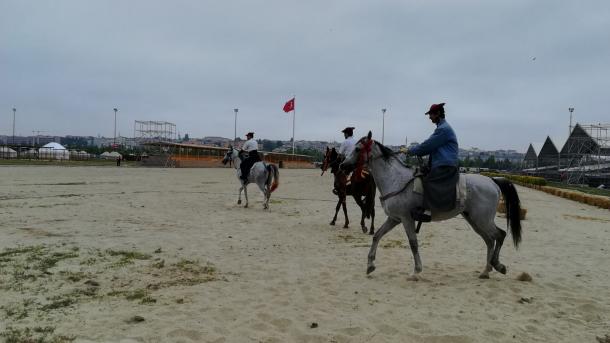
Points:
(289, 106)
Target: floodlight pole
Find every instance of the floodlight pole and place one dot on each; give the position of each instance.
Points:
(14, 110)
(114, 141)
(235, 130)
(571, 109)
(382, 125)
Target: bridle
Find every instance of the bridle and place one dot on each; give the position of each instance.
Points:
(364, 157)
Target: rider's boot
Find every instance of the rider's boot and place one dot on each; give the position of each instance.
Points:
(420, 214)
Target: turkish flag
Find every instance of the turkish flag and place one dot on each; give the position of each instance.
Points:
(289, 106)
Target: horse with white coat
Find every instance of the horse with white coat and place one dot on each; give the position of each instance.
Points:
(265, 175)
(395, 183)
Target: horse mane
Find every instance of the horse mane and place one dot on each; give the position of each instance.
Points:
(385, 151)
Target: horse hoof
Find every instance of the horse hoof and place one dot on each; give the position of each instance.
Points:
(364, 229)
(239, 202)
(501, 268)
(346, 226)
(484, 276)
(370, 269)
(371, 232)
(246, 206)
(413, 277)
(332, 223)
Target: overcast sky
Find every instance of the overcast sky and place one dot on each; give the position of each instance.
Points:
(508, 70)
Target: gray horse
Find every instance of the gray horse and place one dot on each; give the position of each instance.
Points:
(265, 175)
(394, 181)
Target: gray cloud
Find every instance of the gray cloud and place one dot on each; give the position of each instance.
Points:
(66, 64)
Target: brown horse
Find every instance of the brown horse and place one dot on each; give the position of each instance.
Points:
(360, 186)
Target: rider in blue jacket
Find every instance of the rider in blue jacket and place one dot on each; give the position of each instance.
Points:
(439, 183)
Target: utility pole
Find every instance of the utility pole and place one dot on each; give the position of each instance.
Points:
(114, 141)
(14, 110)
(571, 109)
(235, 133)
(382, 125)
(37, 137)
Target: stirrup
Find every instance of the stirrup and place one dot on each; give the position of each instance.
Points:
(419, 215)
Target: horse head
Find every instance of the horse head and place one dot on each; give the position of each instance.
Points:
(330, 160)
(365, 150)
(229, 155)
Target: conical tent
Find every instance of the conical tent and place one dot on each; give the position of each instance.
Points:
(53, 151)
(6, 152)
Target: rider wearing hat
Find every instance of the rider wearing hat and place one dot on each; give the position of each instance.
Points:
(349, 144)
(439, 183)
(251, 147)
(346, 148)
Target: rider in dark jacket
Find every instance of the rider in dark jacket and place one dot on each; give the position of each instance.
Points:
(439, 183)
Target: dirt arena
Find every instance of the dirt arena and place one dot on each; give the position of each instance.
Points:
(105, 254)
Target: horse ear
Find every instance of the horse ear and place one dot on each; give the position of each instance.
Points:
(370, 135)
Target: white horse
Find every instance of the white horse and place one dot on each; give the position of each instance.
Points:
(395, 183)
(265, 175)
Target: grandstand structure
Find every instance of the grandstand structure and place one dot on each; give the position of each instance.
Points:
(146, 131)
(583, 159)
(586, 155)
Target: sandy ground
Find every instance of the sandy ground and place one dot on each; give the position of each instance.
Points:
(166, 255)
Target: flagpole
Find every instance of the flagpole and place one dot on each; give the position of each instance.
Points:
(294, 111)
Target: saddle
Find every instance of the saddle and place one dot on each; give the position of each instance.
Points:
(461, 191)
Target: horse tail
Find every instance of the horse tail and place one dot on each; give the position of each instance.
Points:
(513, 207)
(273, 178)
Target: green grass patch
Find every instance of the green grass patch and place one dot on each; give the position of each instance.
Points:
(57, 304)
(127, 257)
(10, 252)
(34, 335)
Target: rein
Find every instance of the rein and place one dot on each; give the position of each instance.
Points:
(393, 194)
(366, 149)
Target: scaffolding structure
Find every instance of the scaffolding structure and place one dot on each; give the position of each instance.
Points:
(154, 131)
(586, 155)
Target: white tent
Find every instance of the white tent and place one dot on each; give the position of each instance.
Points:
(6, 152)
(54, 151)
(110, 155)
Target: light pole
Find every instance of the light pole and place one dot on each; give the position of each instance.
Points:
(114, 141)
(235, 132)
(571, 109)
(382, 124)
(14, 110)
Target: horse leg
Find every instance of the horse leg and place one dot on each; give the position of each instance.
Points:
(240, 190)
(389, 224)
(266, 194)
(495, 260)
(372, 229)
(361, 204)
(409, 226)
(336, 212)
(246, 195)
(487, 235)
(344, 204)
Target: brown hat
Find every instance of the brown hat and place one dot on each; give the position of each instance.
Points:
(436, 108)
(348, 130)
(250, 134)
